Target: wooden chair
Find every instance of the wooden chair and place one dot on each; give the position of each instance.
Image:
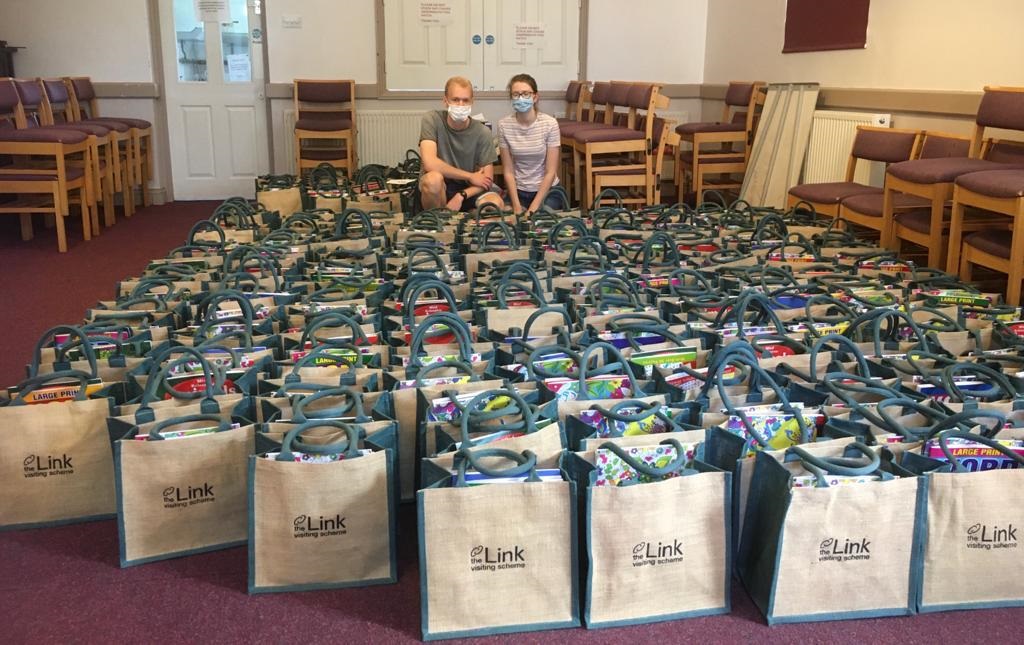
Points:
(866, 209)
(871, 143)
(86, 108)
(664, 136)
(325, 110)
(48, 166)
(628, 146)
(58, 95)
(577, 96)
(994, 191)
(933, 179)
(592, 115)
(38, 114)
(720, 148)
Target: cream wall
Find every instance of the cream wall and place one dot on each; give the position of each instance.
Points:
(912, 44)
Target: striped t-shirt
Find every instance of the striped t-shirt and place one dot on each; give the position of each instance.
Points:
(529, 145)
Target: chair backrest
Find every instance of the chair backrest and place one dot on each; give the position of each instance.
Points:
(1001, 107)
(1003, 151)
(58, 99)
(599, 101)
(938, 145)
(12, 115)
(574, 99)
(32, 102)
(83, 97)
(319, 99)
(887, 145)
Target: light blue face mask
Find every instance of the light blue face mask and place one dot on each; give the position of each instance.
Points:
(523, 104)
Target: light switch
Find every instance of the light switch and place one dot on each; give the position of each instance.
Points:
(291, 22)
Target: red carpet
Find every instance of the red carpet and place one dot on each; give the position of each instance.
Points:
(64, 584)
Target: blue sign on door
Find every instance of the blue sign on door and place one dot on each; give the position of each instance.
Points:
(490, 39)
(476, 39)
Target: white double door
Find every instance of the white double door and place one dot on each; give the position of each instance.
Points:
(214, 95)
(488, 41)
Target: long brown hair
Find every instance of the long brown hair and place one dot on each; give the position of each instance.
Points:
(524, 78)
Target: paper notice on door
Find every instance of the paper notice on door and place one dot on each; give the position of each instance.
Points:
(436, 13)
(239, 69)
(529, 35)
(212, 10)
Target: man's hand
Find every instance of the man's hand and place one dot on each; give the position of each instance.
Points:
(480, 180)
(455, 203)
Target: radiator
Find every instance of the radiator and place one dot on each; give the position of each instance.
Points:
(828, 151)
(382, 136)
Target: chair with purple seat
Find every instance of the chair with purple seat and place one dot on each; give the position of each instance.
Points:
(58, 95)
(325, 111)
(47, 166)
(867, 209)
(85, 106)
(999, 192)
(625, 146)
(720, 148)
(933, 179)
(885, 145)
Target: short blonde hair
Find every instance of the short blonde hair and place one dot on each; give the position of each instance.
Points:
(461, 81)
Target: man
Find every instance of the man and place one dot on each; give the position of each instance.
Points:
(458, 154)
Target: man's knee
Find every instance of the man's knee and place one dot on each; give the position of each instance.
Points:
(432, 183)
(490, 198)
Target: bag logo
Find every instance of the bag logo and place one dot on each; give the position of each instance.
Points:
(48, 466)
(988, 537)
(650, 554)
(183, 497)
(485, 558)
(844, 550)
(309, 526)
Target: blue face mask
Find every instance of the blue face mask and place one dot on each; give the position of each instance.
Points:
(522, 105)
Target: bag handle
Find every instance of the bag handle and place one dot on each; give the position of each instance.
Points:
(213, 380)
(1001, 387)
(160, 426)
(841, 465)
(410, 298)
(538, 353)
(457, 326)
(324, 351)
(332, 319)
(518, 405)
(862, 364)
(677, 464)
(205, 225)
(526, 464)
(32, 384)
(51, 333)
(645, 411)
(354, 401)
(535, 316)
(944, 438)
(348, 446)
(971, 414)
(619, 362)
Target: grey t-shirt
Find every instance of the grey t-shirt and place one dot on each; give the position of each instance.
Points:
(468, 149)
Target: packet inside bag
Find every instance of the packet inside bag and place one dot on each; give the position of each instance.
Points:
(612, 470)
(185, 433)
(776, 427)
(606, 427)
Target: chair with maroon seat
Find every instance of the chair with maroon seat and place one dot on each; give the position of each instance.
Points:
(38, 114)
(664, 137)
(593, 114)
(86, 108)
(869, 144)
(932, 179)
(577, 96)
(867, 209)
(58, 95)
(720, 148)
(999, 192)
(325, 111)
(627, 147)
(47, 166)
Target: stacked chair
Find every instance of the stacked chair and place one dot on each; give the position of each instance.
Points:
(325, 113)
(612, 412)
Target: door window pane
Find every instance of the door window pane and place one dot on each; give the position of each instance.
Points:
(191, 42)
(234, 44)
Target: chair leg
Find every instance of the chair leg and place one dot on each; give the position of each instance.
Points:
(298, 156)
(888, 223)
(936, 252)
(966, 270)
(109, 216)
(956, 226)
(62, 235)
(26, 227)
(147, 171)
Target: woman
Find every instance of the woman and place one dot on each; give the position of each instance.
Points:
(530, 145)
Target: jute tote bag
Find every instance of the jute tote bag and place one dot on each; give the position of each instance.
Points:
(177, 497)
(496, 558)
(831, 552)
(55, 461)
(657, 550)
(974, 530)
(321, 515)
